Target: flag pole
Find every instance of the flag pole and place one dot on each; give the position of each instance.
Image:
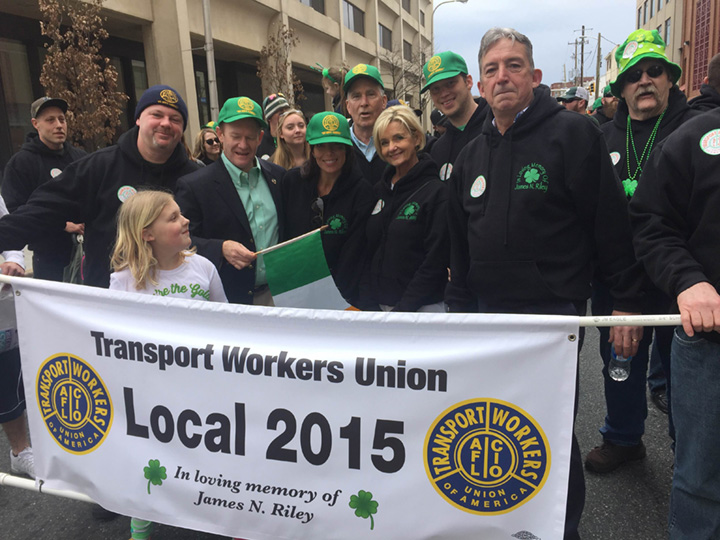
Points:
(631, 320)
(291, 241)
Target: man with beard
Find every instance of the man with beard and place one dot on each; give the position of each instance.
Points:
(91, 190)
(43, 157)
(524, 205)
(651, 107)
(450, 85)
(606, 111)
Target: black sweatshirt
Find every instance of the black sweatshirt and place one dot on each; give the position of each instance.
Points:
(345, 210)
(33, 165)
(674, 212)
(532, 211)
(447, 148)
(89, 191)
(708, 99)
(407, 237)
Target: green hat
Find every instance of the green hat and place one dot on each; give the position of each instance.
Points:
(238, 108)
(596, 105)
(362, 70)
(639, 45)
(443, 66)
(328, 127)
(575, 92)
(607, 92)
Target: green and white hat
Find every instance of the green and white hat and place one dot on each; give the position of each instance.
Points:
(362, 70)
(238, 108)
(639, 45)
(575, 92)
(443, 66)
(328, 127)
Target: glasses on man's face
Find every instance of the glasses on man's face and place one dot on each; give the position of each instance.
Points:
(317, 207)
(653, 72)
(212, 142)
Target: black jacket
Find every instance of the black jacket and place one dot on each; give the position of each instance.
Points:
(373, 170)
(600, 117)
(407, 240)
(346, 210)
(33, 165)
(708, 99)
(267, 145)
(88, 191)
(532, 211)
(674, 212)
(208, 198)
(447, 148)
(615, 133)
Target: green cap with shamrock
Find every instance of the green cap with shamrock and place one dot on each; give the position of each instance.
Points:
(362, 70)
(443, 66)
(328, 127)
(639, 45)
(238, 108)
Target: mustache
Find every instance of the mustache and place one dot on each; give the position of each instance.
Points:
(647, 90)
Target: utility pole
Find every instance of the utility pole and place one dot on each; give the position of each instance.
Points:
(575, 57)
(597, 69)
(210, 58)
(582, 55)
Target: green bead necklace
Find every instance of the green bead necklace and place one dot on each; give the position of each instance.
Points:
(630, 183)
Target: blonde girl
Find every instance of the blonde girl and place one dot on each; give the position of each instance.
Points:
(293, 149)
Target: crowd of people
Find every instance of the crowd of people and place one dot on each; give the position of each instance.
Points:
(522, 204)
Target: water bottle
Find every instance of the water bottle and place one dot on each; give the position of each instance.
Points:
(619, 366)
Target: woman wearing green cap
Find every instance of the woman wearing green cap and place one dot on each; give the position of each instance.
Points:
(329, 190)
(408, 247)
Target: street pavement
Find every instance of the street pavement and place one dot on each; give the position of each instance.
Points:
(629, 504)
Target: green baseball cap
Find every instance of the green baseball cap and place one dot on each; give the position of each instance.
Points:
(362, 70)
(596, 105)
(607, 92)
(443, 66)
(238, 108)
(328, 127)
(639, 45)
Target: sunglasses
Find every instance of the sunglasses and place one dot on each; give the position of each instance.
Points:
(317, 207)
(212, 142)
(636, 74)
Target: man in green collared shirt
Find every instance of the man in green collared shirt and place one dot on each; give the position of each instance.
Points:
(234, 205)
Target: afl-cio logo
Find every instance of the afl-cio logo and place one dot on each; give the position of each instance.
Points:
(330, 123)
(169, 96)
(245, 105)
(74, 403)
(486, 456)
(434, 64)
(360, 68)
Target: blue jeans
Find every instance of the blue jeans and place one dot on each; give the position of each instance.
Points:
(627, 400)
(695, 495)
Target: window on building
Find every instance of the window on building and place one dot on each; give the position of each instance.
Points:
(385, 36)
(667, 31)
(406, 5)
(652, 8)
(645, 12)
(139, 77)
(15, 72)
(317, 5)
(407, 50)
(702, 42)
(659, 30)
(354, 18)
(659, 4)
(422, 18)
(639, 24)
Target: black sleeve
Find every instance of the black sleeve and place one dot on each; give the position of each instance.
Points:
(190, 205)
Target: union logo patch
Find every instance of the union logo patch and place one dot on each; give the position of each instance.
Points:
(331, 123)
(486, 456)
(125, 192)
(434, 64)
(245, 105)
(710, 142)
(615, 157)
(360, 68)
(445, 171)
(74, 403)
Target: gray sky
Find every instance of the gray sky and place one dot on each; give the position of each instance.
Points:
(550, 25)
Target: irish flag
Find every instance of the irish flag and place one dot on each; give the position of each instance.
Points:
(298, 275)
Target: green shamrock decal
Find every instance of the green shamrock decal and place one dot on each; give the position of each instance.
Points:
(630, 187)
(532, 176)
(335, 223)
(409, 210)
(364, 506)
(154, 473)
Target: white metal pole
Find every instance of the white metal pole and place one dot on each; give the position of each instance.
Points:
(25, 483)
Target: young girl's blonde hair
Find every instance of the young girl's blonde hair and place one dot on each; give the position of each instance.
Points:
(131, 250)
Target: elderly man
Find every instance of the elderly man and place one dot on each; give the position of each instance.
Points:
(450, 86)
(525, 196)
(675, 220)
(651, 107)
(575, 99)
(43, 157)
(365, 99)
(234, 205)
(92, 189)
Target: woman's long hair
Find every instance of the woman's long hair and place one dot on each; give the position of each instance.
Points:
(283, 156)
(200, 152)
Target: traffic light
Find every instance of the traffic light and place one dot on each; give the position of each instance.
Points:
(592, 87)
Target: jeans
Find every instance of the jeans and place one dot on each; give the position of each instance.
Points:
(627, 400)
(695, 495)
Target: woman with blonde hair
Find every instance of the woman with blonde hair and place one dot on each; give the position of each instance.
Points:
(207, 146)
(292, 149)
(407, 236)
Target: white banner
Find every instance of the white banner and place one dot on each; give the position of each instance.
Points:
(277, 423)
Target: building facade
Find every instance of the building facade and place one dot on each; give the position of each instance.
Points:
(665, 16)
(701, 41)
(162, 41)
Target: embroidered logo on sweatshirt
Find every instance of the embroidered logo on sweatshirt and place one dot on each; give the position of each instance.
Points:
(446, 171)
(409, 212)
(378, 207)
(532, 176)
(478, 187)
(710, 142)
(337, 224)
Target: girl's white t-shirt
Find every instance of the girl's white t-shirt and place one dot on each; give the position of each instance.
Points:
(196, 278)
